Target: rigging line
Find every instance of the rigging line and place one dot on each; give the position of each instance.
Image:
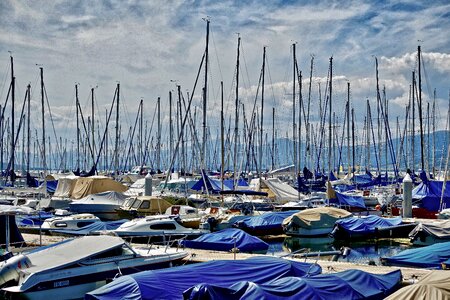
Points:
(5, 77)
(271, 82)
(216, 52)
(58, 149)
(245, 65)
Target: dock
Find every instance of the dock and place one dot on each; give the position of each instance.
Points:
(410, 275)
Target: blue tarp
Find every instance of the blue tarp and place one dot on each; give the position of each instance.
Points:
(96, 226)
(227, 239)
(430, 192)
(267, 221)
(350, 284)
(367, 225)
(171, 283)
(425, 257)
(51, 186)
(348, 200)
(215, 185)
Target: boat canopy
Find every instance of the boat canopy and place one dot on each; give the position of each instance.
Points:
(108, 197)
(317, 217)
(65, 186)
(367, 224)
(350, 284)
(430, 193)
(432, 286)
(439, 230)
(171, 283)
(266, 221)
(226, 240)
(426, 257)
(95, 184)
(348, 200)
(276, 189)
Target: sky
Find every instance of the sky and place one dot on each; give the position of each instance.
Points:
(150, 47)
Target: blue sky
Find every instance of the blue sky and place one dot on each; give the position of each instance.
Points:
(147, 45)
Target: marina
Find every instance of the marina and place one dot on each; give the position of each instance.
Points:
(224, 150)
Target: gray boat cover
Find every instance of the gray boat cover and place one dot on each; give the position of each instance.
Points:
(439, 230)
(317, 217)
(435, 285)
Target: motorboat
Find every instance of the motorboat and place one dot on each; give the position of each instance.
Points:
(103, 205)
(430, 233)
(142, 206)
(314, 221)
(187, 216)
(72, 268)
(75, 221)
(161, 226)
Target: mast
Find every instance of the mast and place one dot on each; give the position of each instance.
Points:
(78, 126)
(13, 83)
(262, 113)
(273, 138)
(158, 142)
(294, 125)
(141, 131)
(348, 127)
(92, 126)
(28, 126)
(434, 132)
(203, 162)
(170, 126)
(420, 112)
(222, 143)
(329, 116)
(236, 116)
(44, 162)
(116, 146)
(413, 100)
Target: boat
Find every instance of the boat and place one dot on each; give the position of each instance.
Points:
(314, 221)
(311, 202)
(160, 226)
(141, 206)
(430, 257)
(227, 240)
(159, 284)
(430, 233)
(269, 223)
(70, 222)
(349, 284)
(71, 268)
(103, 205)
(371, 227)
(187, 215)
(431, 286)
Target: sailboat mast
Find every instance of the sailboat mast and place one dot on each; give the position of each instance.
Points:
(78, 126)
(158, 142)
(44, 162)
(329, 115)
(203, 162)
(28, 126)
(348, 127)
(170, 126)
(116, 146)
(222, 142)
(413, 128)
(13, 83)
(262, 113)
(294, 125)
(236, 116)
(92, 126)
(420, 111)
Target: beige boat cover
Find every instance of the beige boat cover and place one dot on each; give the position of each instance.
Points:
(317, 217)
(434, 286)
(95, 184)
(65, 186)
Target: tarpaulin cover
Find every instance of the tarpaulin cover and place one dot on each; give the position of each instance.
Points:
(96, 226)
(317, 217)
(65, 186)
(171, 283)
(215, 185)
(227, 239)
(350, 284)
(51, 186)
(14, 235)
(367, 224)
(434, 285)
(348, 200)
(95, 184)
(425, 257)
(430, 192)
(266, 221)
(439, 230)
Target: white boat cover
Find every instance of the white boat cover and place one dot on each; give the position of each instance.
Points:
(109, 197)
(434, 286)
(282, 192)
(70, 252)
(439, 230)
(65, 186)
(95, 184)
(317, 217)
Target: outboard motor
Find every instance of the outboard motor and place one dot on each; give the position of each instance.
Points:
(10, 269)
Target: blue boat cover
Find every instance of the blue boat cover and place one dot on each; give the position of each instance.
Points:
(367, 225)
(171, 283)
(430, 192)
(215, 185)
(424, 257)
(51, 186)
(266, 221)
(96, 226)
(348, 200)
(227, 239)
(350, 284)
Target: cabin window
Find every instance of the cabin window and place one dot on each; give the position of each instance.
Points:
(190, 211)
(163, 226)
(145, 205)
(84, 223)
(128, 202)
(136, 204)
(60, 224)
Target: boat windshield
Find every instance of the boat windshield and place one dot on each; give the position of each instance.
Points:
(136, 204)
